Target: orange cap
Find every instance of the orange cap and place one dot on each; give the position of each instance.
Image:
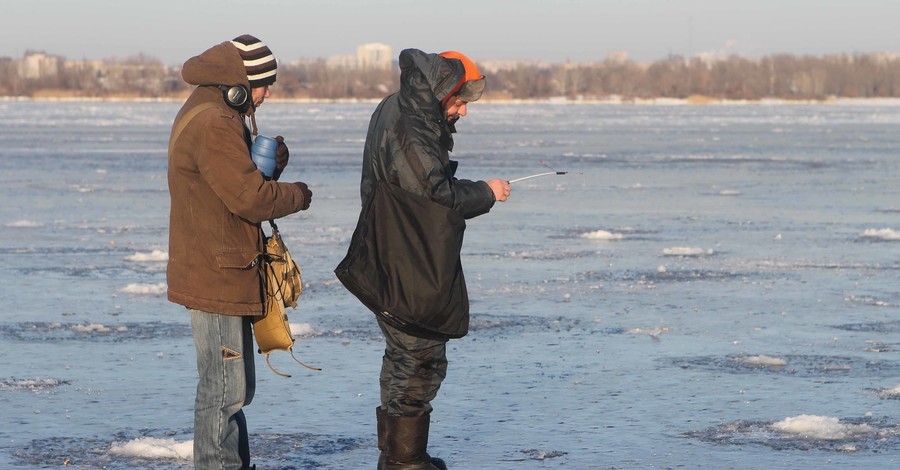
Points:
(472, 72)
(473, 90)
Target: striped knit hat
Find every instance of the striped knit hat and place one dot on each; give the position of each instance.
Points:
(258, 60)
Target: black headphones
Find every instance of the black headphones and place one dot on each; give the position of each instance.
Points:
(235, 96)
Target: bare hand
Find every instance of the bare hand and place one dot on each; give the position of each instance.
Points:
(500, 188)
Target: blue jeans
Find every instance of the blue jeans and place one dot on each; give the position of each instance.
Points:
(227, 383)
(412, 371)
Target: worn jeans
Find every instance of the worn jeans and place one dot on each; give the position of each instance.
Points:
(227, 383)
(411, 372)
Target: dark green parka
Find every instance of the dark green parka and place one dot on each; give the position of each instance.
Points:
(408, 145)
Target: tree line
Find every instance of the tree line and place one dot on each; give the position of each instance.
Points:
(732, 78)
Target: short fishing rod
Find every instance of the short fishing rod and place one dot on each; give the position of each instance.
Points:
(538, 175)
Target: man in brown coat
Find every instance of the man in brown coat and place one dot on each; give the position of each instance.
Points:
(219, 199)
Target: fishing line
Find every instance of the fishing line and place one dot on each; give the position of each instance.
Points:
(567, 297)
(543, 163)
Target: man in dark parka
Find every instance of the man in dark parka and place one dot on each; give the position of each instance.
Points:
(407, 146)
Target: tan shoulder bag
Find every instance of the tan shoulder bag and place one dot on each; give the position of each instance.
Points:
(284, 284)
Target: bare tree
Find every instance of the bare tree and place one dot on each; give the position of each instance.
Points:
(734, 77)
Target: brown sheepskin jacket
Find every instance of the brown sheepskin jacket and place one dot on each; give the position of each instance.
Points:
(218, 197)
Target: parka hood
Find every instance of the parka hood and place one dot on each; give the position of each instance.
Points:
(218, 65)
(426, 79)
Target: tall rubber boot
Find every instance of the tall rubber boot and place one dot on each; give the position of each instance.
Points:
(381, 424)
(407, 441)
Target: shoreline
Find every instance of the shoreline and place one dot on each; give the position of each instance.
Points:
(612, 100)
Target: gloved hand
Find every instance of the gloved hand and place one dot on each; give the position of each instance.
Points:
(281, 157)
(307, 195)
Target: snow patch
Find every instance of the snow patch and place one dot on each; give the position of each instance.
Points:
(153, 448)
(145, 289)
(885, 234)
(763, 360)
(23, 224)
(602, 235)
(821, 428)
(686, 251)
(155, 255)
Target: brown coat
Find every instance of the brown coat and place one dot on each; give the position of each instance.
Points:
(219, 198)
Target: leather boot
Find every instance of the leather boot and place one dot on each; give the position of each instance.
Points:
(407, 441)
(382, 436)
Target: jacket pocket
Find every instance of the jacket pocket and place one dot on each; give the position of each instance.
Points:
(237, 260)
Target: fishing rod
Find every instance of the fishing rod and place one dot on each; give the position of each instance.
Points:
(537, 175)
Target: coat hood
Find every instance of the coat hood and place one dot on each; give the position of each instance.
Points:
(219, 65)
(426, 79)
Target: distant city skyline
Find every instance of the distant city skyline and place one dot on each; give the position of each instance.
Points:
(556, 32)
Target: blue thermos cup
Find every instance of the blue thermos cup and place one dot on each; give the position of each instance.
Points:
(263, 154)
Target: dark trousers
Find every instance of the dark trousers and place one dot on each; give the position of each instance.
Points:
(411, 372)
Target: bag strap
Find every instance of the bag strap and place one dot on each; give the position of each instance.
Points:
(291, 350)
(183, 122)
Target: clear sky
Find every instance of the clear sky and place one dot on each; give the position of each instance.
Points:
(549, 30)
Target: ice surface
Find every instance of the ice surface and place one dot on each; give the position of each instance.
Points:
(767, 339)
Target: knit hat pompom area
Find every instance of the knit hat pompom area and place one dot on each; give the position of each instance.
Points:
(258, 60)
